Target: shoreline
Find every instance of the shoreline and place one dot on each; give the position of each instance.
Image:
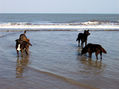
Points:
(35, 30)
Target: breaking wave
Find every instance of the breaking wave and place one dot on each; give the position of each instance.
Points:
(94, 24)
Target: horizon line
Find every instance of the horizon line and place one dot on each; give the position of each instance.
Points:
(50, 13)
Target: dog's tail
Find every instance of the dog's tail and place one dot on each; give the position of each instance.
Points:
(103, 50)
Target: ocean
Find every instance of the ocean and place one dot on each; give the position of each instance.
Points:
(59, 21)
(54, 61)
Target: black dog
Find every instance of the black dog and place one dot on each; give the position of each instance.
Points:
(83, 37)
(22, 46)
(91, 48)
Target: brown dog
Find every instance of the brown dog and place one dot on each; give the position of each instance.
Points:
(91, 48)
(83, 38)
(24, 38)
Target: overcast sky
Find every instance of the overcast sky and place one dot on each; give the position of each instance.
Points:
(59, 6)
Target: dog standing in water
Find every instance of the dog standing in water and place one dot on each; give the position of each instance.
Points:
(83, 38)
(91, 48)
(22, 44)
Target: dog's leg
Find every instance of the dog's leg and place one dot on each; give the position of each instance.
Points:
(85, 42)
(79, 43)
(26, 50)
(82, 44)
(96, 54)
(21, 52)
(17, 53)
(101, 55)
(90, 55)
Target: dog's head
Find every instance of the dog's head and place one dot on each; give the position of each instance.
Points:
(84, 51)
(86, 32)
(18, 41)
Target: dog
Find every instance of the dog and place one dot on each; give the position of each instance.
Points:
(22, 46)
(83, 38)
(91, 48)
(24, 38)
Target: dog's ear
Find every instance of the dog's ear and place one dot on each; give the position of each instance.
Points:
(16, 40)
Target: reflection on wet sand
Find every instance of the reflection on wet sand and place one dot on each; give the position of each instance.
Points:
(88, 61)
(20, 66)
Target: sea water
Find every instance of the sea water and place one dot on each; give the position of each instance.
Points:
(54, 61)
(59, 21)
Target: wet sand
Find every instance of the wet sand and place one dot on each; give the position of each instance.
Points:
(55, 62)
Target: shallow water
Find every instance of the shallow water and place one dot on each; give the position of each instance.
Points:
(55, 62)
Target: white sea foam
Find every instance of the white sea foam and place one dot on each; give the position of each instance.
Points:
(82, 25)
(59, 26)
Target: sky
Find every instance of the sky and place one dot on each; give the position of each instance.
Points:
(59, 6)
